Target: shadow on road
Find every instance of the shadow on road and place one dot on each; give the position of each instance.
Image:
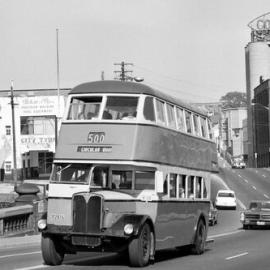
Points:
(122, 260)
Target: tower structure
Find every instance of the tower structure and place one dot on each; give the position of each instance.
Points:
(257, 54)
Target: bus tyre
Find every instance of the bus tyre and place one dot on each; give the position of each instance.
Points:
(199, 240)
(140, 248)
(52, 253)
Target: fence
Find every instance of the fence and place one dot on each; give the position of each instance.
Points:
(21, 219)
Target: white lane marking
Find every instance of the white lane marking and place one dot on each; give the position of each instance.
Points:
(266, 196)
(241, 204)
(246, 180)
(236, 256)
(225, 234)
(33, 267)
(19, 254)
(254, 187)
(263, 175)
(240, 175)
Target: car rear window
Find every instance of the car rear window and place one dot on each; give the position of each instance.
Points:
(223, 194)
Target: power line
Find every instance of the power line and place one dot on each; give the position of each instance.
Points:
(180, 80)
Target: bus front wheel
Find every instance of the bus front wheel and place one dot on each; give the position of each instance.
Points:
(140, 248)
(199, 240)
(52, 252)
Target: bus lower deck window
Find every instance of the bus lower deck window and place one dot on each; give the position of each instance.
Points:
(144, 180)
(121, 179)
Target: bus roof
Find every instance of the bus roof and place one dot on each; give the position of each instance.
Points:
(114, 86)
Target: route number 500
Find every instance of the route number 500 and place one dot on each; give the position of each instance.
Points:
(96, 137)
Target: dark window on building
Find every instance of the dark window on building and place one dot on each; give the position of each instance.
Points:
(8, 130)
(37, 125)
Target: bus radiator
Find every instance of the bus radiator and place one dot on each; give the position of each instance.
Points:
(87, 213)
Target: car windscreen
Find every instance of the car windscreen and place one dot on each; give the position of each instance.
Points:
(265, 206)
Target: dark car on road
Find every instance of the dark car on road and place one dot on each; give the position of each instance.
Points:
(257, 215)
(213, 215)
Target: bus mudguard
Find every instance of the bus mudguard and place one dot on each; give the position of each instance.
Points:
(137, 221)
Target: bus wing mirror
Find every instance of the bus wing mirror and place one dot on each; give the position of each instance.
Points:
(159, 182)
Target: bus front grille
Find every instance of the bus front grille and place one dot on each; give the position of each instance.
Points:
(87, 213)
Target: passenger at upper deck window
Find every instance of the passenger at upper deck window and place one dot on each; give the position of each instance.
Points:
(129, 115)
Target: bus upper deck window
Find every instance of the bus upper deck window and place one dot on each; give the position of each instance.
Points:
(171, 116)
(148, 110)
(120, 108)
(160, 105)
(188, 122)
(210, 129)
(84, 108)
(180, 118)
(197, 127)
(203, 127)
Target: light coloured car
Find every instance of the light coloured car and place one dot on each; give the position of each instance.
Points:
(238, 165)
(225, 199)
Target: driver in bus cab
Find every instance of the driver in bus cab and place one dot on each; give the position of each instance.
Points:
(99, 178)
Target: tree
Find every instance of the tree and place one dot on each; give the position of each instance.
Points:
(233, 100)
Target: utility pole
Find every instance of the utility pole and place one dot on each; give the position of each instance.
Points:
(13, 136)
(58, 72)
(124, 75)
(57, 116)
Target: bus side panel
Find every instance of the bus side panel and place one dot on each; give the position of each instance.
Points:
(175, 148)
(176, 222)
(135, 142)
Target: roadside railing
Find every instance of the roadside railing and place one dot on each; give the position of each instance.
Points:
(21, 219)
(16, 220)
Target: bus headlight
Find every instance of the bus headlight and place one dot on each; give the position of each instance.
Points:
(128, 229)
(242, 217)
(42, 224)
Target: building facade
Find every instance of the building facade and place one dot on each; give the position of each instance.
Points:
(232, 131)
(261, 124)
(37, 117)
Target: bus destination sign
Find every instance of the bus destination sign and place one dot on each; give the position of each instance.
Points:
(94, 149)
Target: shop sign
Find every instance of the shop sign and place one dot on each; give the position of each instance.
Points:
(260, 23)
(37, 143)
(40, 105)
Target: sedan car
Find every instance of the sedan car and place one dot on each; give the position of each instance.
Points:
(238, 165)
(213, 215)
(225, 199)
(257, 215)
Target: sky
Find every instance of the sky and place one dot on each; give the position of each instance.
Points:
(191, 49)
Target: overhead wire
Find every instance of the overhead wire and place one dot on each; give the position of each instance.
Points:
(181, 81)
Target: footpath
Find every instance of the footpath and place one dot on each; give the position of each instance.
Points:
(23, 240)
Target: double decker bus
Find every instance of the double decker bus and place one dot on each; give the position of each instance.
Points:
(131, 173)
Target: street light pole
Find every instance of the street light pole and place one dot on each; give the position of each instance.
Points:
(13, 136)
